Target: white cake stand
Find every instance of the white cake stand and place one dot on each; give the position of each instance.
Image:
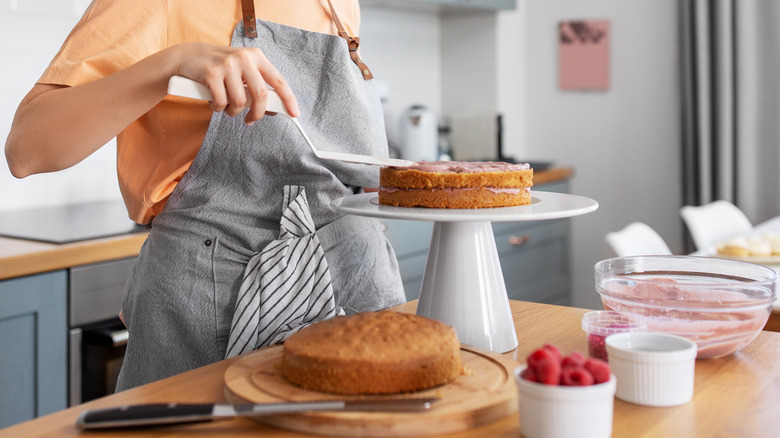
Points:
(463, 284)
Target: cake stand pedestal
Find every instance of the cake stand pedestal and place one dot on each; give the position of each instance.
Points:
(463, 284)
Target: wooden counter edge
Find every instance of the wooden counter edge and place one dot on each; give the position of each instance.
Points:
(773, 324)
(68, 255)
(552, 174)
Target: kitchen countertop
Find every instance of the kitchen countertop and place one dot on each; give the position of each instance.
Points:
(20, 257)
(733, 396)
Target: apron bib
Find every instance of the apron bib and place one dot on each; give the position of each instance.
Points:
(180, 299)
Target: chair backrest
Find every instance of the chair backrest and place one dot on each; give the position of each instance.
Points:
(715, 223)
(637, 238)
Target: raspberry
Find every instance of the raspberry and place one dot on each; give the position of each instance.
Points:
(529, 374)
(548, 371)
(538, 355)
(574, 359)
(599, 369)
(554, 350)
(545, 365)
(576, 376)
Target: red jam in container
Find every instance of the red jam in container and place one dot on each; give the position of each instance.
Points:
(602, 323)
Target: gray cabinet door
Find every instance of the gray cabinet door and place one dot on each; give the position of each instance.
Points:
(33, 346)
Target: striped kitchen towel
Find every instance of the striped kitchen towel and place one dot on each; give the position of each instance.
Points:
(286, 286)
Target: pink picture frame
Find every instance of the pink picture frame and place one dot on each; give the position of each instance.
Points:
(583, 55)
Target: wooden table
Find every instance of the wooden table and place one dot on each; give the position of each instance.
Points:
(734, 396)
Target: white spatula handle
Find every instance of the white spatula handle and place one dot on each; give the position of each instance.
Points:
(186, 87)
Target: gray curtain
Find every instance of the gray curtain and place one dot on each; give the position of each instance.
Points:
(731, 104)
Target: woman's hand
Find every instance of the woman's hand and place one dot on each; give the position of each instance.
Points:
(236, 76)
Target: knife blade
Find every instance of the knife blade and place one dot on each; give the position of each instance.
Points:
(177, 413)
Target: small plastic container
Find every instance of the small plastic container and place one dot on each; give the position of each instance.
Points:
(653, 369)
(552, 411)
(602, 323)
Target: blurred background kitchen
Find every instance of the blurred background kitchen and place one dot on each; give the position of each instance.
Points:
(460, 66)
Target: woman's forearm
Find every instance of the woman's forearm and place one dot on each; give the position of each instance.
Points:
(56, 127)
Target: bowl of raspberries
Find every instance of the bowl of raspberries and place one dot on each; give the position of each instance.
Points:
(564, 395)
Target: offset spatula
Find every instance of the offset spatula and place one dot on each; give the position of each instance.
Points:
(185, 87)
(178, 413)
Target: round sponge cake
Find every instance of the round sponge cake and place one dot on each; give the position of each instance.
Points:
(456, 184)
(372, 353)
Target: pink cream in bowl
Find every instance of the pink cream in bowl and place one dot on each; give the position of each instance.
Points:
(722, 305)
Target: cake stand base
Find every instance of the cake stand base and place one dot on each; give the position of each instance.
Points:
(463, 286)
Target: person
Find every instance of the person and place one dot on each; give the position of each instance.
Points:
(244, 246)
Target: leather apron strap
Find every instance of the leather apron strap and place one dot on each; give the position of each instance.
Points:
(353, 44)
(248, 15)
(250, 31)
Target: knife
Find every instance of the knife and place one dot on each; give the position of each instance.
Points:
(177, 413)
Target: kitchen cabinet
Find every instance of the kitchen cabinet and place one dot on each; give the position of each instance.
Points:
(43, 337)
(33, 346)
(446, 5)
(534, 255)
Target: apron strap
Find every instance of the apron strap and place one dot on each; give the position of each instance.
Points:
(248, 15)
(250, 31)
(353, 44)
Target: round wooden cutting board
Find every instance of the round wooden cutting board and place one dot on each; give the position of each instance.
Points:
(485, 392)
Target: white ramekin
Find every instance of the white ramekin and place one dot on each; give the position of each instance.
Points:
(551, 411)
(652, 369)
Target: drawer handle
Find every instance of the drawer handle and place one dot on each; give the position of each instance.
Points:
(519, 240)
(120, 337)
(116, 338)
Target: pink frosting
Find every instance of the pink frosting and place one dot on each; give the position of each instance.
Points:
(466, 166)
(497, 190)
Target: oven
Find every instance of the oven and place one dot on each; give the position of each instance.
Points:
(96, 337)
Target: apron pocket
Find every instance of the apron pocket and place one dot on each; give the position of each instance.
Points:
(229, 264)
(363, 265)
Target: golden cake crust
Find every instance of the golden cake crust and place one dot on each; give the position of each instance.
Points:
(415, 179)
(372, 353)
(456, 185)
(464, 198)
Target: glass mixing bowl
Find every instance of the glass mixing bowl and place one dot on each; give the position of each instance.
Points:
(720, 304)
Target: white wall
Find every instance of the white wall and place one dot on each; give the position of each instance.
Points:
(624, 143)
(402, 48)
(31, 32)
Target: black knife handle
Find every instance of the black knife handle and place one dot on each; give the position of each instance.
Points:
(145, 415)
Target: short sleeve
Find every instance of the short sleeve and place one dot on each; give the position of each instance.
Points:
(112, 35)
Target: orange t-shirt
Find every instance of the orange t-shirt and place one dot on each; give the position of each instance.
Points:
(155, 151)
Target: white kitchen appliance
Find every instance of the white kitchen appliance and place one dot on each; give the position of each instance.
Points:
(475, 136)
(419, 134)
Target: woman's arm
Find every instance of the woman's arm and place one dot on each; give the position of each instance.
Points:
(57, 126)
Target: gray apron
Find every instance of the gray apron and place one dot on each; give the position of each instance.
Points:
(181, 296)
